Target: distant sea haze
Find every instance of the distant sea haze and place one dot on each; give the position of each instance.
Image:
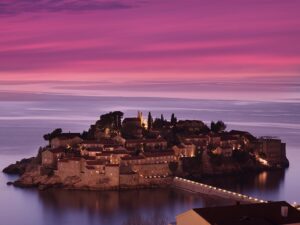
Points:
(280, 89)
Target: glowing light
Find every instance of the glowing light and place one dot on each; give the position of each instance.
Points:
(263, 161)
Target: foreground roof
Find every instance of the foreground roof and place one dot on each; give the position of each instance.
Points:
(250, 214)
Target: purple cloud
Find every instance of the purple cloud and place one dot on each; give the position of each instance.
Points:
(13, 7)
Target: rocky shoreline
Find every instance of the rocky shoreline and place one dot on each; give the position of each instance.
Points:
(30, 174)
(19, 167)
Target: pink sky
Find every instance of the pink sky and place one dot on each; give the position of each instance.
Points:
(158, 40)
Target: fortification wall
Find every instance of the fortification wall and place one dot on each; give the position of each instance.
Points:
(129, 180)
(68, 169)
(161, 169)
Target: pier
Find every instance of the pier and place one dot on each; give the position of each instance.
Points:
(197, 187)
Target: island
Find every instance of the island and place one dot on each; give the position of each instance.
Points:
(135, 152)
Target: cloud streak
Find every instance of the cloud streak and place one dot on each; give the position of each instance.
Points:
(14, 7)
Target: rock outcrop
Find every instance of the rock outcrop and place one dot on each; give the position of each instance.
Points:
(19, 167)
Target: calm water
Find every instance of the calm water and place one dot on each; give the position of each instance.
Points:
(24, 119)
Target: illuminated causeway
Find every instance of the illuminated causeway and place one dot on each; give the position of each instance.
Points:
(197, 187)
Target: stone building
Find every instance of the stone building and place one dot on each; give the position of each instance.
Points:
(113, 157)
(225, 151)
(146, 144)
(229, 141)
(247, 138)
(91, 173)
(150, 158)
(184, 150)
(105, 143)
(51, 155)
(197, 140)
(215, 139)
(91, 151)
(91, 144)
(66, 140)
(273, 149)
(69, 167)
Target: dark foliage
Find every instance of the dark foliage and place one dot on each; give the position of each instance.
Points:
(217, 127)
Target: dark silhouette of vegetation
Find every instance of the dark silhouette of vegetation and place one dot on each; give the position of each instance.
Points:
(160, 123)
(162, 117)
(150, 121)
(173, 120)
(217, 127)
(86, 135)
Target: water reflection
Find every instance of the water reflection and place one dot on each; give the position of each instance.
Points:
(266, 184)
(115, 206)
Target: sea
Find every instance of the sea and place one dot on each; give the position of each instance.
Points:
(24, 118)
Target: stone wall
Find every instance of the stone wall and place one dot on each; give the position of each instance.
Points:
(129, 180)
(112, 172)
(47, 158)
(68, 168)
(159, 169)
(57, 142)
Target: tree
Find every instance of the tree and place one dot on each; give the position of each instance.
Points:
(217, 127)
(173, 120)
(85, 135)
(150, 121)
(162, 117)
(118, 115)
